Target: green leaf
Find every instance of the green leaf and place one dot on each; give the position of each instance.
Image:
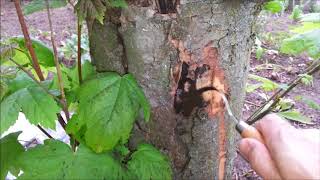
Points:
(273, 6)
(306, 79)
(9, 50)
(309, 42)
(43, 52)
(148, 163)
(55, 81)
(11, 149)
(108, 106)
(296, 13)
(311, 103)
(32, 100)
(295, 115)
(91, 10)
(259, 52)
(39, 5)
(55, 160)
(267, 84)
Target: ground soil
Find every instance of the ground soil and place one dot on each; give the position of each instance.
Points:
(287, 69)
(63, 20)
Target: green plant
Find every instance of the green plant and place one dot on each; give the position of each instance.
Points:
(274, 6)
(99, 129)
(306, 42)
(296, 13)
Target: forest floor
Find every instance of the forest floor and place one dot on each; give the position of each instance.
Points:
(273, 65)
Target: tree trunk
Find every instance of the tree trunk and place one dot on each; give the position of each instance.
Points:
(175, 50)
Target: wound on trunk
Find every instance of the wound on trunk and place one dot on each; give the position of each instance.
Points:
(167, 6)
(194, 80)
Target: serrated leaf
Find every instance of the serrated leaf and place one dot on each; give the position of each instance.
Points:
(295, 116)
(32, 100)
(148, 163)
(10, 149)
(108, 106)
(91, 9)
(43, 52)
(55, 160)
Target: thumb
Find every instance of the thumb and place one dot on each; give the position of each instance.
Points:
(259, 158)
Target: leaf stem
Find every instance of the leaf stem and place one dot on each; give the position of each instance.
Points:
(263, 110)
(28, 42)
(79, 52)
(59, 73)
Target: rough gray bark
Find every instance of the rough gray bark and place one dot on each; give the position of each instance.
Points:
(216, 33)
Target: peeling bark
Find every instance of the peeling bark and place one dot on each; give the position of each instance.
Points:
(203, 44)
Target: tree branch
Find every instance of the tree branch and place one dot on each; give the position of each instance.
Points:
(272, 102)
(45, 132)
(59, 73)
(28, 42)
(79, 52)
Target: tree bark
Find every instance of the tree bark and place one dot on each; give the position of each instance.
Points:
(176, 50)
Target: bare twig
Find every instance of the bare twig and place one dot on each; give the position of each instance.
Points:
(272, 102)
(28, 42)
(59, 73)
(79, 52)
(45, 132)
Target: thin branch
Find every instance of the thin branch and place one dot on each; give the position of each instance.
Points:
(59, 73)
(28, 42)
(79, 52)
(44, 132)
(266, 108)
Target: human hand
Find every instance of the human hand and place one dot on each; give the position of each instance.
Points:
(288, 153)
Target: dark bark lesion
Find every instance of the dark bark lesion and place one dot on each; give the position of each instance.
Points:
(166, 6)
